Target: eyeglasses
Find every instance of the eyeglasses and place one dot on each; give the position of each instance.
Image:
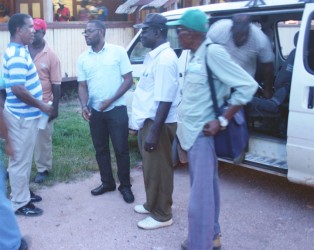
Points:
(180, 29)
(86, 32)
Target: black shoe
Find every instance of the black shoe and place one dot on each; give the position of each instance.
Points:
(35, 197)
(23, 245)
(127, 194)
(29, 210)
(103, 188)
(40, 177)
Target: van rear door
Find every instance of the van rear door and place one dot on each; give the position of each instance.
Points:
(300, 142)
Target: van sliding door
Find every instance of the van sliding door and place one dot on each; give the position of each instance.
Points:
(300, 142)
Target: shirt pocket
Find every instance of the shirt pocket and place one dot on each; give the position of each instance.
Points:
(146, 82)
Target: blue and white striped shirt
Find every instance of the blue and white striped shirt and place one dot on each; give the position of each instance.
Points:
(19, 69)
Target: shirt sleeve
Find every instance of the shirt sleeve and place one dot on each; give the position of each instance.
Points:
(17, 69)
(166, 78)
(125, 65)
(265, 51)
(80, 72)
(231, 74)
(55, 69)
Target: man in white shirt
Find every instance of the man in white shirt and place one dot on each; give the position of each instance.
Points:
(154, 116)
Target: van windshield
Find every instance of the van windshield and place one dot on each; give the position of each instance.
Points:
(138, 52)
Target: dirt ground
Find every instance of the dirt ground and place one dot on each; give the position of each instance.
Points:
(258, 212)
(74, 219)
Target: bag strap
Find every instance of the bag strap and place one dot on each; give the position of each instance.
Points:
(211, 85)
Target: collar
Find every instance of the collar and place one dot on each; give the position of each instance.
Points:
(155, 52)
(90, 50)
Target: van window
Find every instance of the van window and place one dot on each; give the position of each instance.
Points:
(138, 52)
(286, 32)
(309, 44)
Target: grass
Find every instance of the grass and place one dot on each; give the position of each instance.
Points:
(73, 151)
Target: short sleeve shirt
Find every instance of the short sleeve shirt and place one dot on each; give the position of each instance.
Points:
(159, 83)
(19, 69)
(103, 73)
(49, 71)
(257, 47)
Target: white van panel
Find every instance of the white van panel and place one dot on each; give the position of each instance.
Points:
(300, 142)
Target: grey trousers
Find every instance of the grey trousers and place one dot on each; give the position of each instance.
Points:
(204, 203)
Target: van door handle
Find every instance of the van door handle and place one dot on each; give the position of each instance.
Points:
(180, 74)
(310, 101)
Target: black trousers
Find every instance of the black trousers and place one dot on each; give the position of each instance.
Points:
(112, 124)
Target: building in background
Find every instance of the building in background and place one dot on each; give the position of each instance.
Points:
(118, 10)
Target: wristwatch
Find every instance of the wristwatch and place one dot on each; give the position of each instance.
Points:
(223, 122)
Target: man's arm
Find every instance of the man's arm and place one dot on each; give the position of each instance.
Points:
(83, 96)
(268, 72)
(4, 130)
(151, 140)
(23, 94)
(55, 104)
(125, 86)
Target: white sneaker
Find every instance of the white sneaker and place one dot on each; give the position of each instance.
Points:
(141, 209)
(150, 223)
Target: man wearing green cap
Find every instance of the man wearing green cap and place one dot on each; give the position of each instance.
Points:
(197, 123)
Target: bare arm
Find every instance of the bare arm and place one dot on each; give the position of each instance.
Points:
(4, 130)
(83, 96)
(151, 141)
(56, 97)
(125, 86)
(268, 71)
(23, 94)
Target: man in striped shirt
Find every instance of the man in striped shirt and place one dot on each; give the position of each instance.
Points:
(23, 108)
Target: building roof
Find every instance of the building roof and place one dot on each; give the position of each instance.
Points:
(131, 6)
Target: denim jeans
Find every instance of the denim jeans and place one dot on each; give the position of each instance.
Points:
(10, 236)
(112, 124)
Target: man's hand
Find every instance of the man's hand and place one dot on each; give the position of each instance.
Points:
(54, 115)
(46, 108)
(211, 128)
(151, 141)
(86, 113)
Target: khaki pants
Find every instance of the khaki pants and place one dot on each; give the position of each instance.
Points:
(23, 134)
(158, 172)
(43, 149)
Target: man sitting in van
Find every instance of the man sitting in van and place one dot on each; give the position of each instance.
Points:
(247, 45)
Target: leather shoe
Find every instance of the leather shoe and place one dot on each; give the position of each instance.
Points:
(103, 188)
(127, 194)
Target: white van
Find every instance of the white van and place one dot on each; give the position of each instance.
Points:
(283, 143)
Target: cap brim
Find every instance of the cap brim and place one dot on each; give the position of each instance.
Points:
(174, 23)
(140, 26)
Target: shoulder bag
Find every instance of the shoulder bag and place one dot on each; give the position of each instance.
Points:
(231, 142)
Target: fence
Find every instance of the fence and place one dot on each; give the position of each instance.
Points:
(67, 41)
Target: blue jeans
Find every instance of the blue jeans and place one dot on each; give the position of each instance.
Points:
(204, 205)
(112, 124)
(10, 236)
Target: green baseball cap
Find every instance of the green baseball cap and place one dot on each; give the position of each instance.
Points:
(193, 19)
